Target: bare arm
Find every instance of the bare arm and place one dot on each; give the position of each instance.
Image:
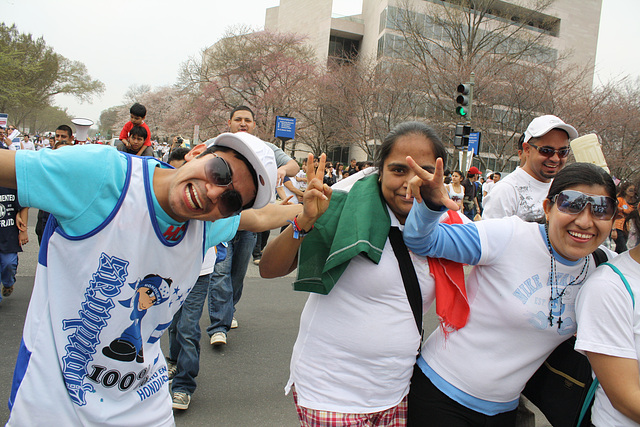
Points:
(294, 190)
(620, 380)
(291, 168)
(8, 168)
(22, 219)
(267, 218)
(280, 257)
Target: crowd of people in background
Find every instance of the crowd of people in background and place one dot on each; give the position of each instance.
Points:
(366, 374)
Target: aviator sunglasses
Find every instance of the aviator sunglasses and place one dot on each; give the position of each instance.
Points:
(573, 202)
(219, 173)
(549, 152)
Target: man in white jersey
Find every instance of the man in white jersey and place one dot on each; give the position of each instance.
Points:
(545, 149)
(120, 253)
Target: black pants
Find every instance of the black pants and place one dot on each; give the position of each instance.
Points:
(428, 406)
(261, 242)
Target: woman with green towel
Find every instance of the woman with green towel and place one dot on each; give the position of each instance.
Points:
(358, 339)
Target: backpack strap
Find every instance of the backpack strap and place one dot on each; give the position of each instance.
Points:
(600, 256)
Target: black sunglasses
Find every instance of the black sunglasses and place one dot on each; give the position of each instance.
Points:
(219, 173)
(549, 152)
(573, 202)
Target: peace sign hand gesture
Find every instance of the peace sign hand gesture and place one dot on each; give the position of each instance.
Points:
(429, 186)
(317, 195)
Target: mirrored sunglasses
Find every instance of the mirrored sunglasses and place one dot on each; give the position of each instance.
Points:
(573, 202)
(219, 173)
(549, 152)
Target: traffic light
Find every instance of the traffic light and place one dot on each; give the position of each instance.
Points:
(461, 137)
(463, 99)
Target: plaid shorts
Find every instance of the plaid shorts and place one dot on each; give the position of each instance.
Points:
(392, 417)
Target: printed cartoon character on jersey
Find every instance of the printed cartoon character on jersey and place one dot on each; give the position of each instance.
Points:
(150, 291)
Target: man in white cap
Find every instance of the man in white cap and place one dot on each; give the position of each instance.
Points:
(545, 146)
(90, 352)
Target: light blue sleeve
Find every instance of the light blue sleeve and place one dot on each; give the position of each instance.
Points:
(220, 231)
(79, 185)
(425, 235)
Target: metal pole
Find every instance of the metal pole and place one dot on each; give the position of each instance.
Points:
(471, 84)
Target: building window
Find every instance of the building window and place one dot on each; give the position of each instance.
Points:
(342, 49)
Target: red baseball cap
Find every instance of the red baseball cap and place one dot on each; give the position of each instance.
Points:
(474, 170)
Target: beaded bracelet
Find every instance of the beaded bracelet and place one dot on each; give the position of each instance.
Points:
(298, 233)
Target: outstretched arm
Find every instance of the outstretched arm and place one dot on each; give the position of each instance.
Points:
(280, 257)
(8, 168)
(269, 217)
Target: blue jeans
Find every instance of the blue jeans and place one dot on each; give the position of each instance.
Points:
(227, 280)
(8, 268)
(184, 337)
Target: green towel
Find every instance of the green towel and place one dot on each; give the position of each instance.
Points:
(355, 222)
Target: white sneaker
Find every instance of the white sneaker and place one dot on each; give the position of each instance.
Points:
(234, 323)
(181, 400)
(219, 338)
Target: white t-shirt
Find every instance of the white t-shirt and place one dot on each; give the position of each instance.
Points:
(487, 186)
(28, 145)
(357, 346)
(302, 185)
(287, 192)
(608, 324)
(454, 195)
(517, 194)
(486, 364)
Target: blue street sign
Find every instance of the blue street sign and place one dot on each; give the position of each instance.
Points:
(285, 127)
(474, 142)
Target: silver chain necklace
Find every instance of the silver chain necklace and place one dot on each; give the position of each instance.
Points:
(555, 297)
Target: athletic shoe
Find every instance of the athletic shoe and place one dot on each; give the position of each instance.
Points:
(6, 291)
(181, 400)
(172, 370)
(234, 323)
(256, 261)
(219, 338)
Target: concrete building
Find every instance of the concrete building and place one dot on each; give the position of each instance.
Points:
(567, 25)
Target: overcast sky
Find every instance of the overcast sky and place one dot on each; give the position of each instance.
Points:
(127, 42)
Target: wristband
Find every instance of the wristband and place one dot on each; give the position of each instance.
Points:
(298, 233)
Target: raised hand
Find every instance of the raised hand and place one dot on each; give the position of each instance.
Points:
(317, 195)
(429, 186)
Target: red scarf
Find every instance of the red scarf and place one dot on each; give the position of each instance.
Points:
(452, 305)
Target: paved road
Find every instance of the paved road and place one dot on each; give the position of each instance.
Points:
(240, 384)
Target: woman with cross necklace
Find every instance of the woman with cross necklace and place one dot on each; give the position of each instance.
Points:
(521, 293)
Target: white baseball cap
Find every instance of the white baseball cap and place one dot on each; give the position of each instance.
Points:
(259, 155)
(543, 124)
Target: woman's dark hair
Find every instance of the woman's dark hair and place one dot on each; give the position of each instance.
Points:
(622, 188)
(632, 218)
(581, 174)
(410, 128)
(459, 173)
